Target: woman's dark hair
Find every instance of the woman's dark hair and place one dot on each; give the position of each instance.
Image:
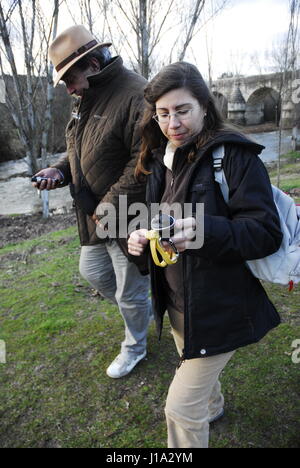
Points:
(175, 76)
(102, 54)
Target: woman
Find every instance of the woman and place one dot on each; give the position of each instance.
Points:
(215, 304)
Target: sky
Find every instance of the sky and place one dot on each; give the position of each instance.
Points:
(243, 29)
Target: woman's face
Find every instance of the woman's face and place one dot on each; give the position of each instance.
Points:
(179, 115)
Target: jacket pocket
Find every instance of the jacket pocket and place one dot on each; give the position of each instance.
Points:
(84, 199)
(202, 187)
(201, 192)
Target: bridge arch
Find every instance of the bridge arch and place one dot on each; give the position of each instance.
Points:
(222, 103)
(263, 105)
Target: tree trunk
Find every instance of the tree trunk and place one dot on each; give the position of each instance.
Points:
(198, 7)
(50, 94)
(144, 39)
(48, 113)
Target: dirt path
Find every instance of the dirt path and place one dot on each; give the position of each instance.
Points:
(15, 229)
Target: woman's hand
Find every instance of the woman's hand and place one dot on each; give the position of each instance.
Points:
(185, 231)
(137, 242)
(95, 219)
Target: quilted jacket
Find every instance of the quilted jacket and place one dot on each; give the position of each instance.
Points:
(103, 132)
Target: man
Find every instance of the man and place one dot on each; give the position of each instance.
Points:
(102, 146)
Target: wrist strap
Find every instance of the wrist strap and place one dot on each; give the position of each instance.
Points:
(155, 246)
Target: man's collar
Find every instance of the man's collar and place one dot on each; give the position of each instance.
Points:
(106, 74)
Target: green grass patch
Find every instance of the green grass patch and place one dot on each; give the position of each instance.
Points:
(60, 339)
(289, 172)
(290, 184)
(292, 156)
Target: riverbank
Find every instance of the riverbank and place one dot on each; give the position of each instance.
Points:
(17, 196)
(262, 128)
(16, 228)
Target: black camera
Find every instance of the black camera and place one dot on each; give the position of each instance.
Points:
(40, 179)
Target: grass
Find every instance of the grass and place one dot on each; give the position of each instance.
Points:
(289, 172)
(60, 339)
(292, 156)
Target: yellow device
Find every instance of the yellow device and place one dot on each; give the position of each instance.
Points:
(160, 224)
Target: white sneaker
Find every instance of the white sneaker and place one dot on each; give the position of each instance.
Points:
(216, 417)
(122, 365)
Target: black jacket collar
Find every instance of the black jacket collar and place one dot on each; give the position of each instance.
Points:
(110, 72)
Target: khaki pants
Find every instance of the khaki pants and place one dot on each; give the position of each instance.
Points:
(194, 395)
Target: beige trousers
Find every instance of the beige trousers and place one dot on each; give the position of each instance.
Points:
(194, 395)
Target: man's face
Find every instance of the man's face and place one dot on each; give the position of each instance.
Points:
(76, 80)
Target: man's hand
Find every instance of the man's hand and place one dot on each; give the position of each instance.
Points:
(51, 173)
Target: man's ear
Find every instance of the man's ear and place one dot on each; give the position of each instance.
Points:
(95, 64)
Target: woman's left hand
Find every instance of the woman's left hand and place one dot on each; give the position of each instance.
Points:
(185, 231)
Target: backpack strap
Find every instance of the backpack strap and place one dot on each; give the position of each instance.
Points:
(218, 155)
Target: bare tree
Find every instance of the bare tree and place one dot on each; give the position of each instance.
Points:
(83, 14)
(197, 9)
(154, 23)
(20, 22)
(149, 33)
(146, 24)
(288, 62)
(209, 54)
(94, 15)
(52, 31)
(141, 24)
(23, 111)
(144, 38)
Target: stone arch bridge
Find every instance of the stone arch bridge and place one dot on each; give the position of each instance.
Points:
(258, 99)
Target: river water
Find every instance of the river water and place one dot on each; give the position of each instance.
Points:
(17, 196)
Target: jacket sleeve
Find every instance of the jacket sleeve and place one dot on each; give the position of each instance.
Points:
(127, 183)
(252, 229)
(63, 164)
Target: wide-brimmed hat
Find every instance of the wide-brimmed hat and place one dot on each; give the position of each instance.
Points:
(69, 47)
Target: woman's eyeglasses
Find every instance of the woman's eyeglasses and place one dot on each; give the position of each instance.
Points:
(164, 117)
